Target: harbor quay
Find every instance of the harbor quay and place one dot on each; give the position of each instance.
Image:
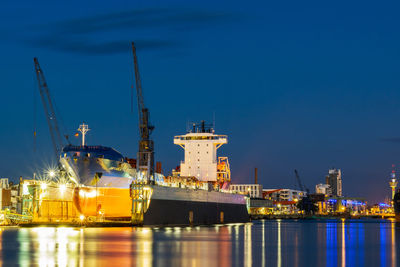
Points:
(53, 202)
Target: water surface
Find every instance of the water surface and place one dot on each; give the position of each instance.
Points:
(261, 243)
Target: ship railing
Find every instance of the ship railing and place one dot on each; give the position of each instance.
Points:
(212, 137)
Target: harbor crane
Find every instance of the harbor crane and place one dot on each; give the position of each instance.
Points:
(49, 110)
(145, 157)
(302, 188)
(306, 203)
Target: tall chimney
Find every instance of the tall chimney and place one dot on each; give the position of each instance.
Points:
(255, 176)
(158, 167)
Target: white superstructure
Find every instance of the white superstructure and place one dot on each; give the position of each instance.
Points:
(200, 147)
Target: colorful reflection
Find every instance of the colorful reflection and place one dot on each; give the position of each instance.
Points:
(383, 244)
(279, 246)
(355, 244)
(1, 247)
(343, 244)
(47, 246)
(247, 245)
(263, 254)
(393, 243)
(260, 243)
(331, 244)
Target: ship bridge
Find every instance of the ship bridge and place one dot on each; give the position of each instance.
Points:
(200, 145)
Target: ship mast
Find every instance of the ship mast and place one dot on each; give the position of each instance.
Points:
(145, 157)
(83, 128)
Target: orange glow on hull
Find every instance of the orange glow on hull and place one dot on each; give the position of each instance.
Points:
(103, 201)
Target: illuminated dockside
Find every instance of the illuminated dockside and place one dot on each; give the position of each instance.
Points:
(174, 200)
(96, 184)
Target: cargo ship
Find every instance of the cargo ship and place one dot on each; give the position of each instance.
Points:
(83, 163)
(196, 193)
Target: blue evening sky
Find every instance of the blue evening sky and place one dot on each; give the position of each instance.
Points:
(294, 84)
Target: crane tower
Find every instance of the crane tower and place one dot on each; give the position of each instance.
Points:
(49, 110)
(145, 157)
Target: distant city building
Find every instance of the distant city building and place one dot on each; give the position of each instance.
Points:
(284, 194)
(324, 189)
(254, 190)
(334, 179)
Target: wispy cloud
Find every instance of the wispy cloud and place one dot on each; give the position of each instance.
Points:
(391, 139)
(101, 34)
(92, 48)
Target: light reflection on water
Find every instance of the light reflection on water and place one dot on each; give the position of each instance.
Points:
(261, 243)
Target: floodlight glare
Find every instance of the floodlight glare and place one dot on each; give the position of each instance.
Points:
(52, 173)
(62, 188)
(43, 186)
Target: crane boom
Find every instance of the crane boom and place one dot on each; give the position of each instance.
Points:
(145, 162)
(298, 180)
(49, 110)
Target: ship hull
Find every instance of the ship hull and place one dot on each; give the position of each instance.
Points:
(175, 212)
(167, 206)
(109, 203)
